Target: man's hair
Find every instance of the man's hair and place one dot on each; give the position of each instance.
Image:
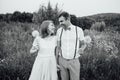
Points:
(66, 15)
(44, 28)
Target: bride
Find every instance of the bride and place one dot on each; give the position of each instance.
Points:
(44, 67)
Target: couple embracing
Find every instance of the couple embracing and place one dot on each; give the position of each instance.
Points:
(61, 50)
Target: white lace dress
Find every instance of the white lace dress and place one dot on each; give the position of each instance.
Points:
(44, 67)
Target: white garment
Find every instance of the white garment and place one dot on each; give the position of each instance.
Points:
(68, 41)
(44, 67)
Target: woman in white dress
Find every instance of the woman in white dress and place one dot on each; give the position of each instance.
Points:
(44, 67)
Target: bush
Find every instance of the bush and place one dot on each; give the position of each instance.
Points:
(46, 13)
(99, 26)
(101, 60)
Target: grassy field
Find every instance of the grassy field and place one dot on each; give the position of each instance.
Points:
(100, 61)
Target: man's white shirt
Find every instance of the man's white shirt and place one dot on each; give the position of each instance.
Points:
(68, 41)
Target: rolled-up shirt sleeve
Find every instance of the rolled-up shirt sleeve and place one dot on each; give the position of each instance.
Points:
(81, 34)
(35, 46)
(58, 34)
(81, 38)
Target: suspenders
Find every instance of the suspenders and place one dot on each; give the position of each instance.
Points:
(75, 43)
(60, 40)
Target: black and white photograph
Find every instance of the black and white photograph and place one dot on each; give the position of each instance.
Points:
(59, 39)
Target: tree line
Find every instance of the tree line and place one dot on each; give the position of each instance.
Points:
(17, 16)
(44, 13)
(52, 13)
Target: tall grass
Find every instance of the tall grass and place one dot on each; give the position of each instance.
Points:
(16, 62)
(100, 61)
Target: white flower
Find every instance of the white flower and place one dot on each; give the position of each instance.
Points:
(2, 60)
(87, 39)
(35, 33)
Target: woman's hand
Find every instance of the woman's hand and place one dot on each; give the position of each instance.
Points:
(33, 50)
(58, 67)
(80, 51)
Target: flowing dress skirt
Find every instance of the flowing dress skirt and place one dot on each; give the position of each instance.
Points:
(44, 68)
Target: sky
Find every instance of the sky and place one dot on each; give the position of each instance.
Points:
(77, 7)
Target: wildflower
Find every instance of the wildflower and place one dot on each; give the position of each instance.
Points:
(35, 33)
(2, 60)
(87, 39)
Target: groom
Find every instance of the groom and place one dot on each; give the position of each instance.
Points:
(70, 42)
